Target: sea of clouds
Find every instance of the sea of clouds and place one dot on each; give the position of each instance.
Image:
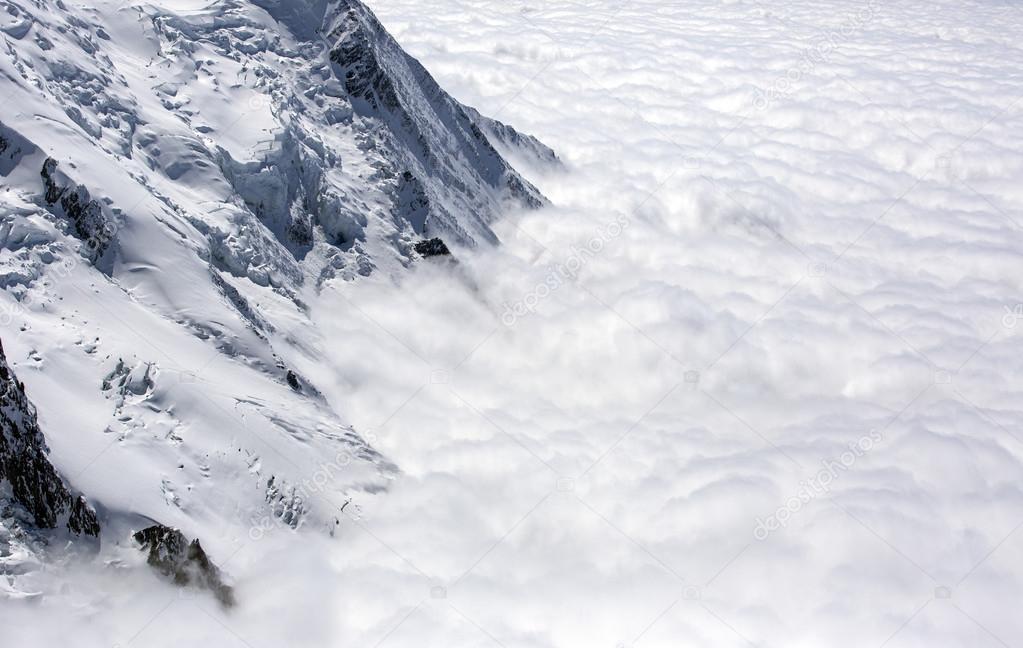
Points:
(754, 379)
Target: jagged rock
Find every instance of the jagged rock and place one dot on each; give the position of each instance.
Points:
(432, 247)
(184, 562)
(88, 222)
(26, 475)
(513, 140)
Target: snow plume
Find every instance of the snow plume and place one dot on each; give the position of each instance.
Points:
(836, 266)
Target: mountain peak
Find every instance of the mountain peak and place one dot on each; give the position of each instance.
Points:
(449, 180)
(449, 160)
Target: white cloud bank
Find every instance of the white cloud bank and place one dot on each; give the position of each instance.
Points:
(818, 247)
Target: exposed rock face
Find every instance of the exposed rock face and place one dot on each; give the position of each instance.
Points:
(27, 477)
(512, 139)
(184, 562)
(454, 181)
(86, 217)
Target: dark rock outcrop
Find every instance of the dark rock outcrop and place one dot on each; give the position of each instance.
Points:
(26, 475)
(432, 247)
(184, 562)
(88, 222)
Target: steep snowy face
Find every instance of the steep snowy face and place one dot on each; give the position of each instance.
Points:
(299, 126)
(451, 168)
(180, 184)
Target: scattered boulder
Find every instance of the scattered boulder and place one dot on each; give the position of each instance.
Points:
(432, 247)
(184, 562)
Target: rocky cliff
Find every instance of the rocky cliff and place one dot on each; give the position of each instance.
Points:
(31, 490)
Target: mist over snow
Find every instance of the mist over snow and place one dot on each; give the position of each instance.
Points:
(753, 378)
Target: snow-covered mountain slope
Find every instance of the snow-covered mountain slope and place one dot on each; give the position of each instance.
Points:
(179, 183)
(33, 496)
(29, 481)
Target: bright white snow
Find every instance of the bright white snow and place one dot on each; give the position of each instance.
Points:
(783, 230)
